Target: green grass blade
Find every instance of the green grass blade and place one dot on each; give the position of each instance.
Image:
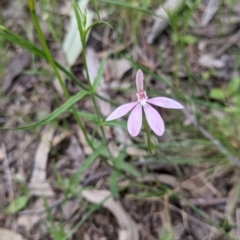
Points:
(98, 78)
(63, 108)
(113, 184)
(86, 164)
(130, 6)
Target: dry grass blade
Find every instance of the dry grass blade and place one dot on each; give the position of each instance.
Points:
(15, 67)
(37, 185)
(161, 23)
(128, 228)
(210, 10)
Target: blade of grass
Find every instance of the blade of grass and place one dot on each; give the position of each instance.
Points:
(52, 63)
(130, 6)
(63, 108)
(24, 43)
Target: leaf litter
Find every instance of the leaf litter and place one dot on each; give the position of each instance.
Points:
(199, 182)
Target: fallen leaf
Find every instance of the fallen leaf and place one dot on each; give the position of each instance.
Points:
(93, 63)
(72, 46)
(75, 152)
(38, 185)
(15, 67)
(17, 204)
(30, 217)
(209, 12)
(209, 61)
(70, 208)
(6, 234)
(128, 228)
(116, 68)
(161, 22)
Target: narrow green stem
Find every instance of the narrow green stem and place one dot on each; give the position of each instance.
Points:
(52, 63)
(148, 135)
(90, 86)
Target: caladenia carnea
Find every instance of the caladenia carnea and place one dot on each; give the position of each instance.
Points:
(153, 118)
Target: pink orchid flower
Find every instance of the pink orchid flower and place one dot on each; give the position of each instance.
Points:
(154, 119)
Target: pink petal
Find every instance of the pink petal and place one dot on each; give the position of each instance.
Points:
(139, 80)
(154, 119)
(165, 102)
(121, 111)
(135, 121)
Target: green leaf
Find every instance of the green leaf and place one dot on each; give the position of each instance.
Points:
(17, 204)
(88, 116)
(217, 94)
(233, 86)
(113, 182)
(128, 168)
(98, 78)
(31, 5)
(189, 39)
(120, 164)
(116, 123)
(63, 108)
(167, 235)
(96, 9)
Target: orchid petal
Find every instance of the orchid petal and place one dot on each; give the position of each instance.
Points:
(154, 119)
(139, 80)
(165, 102)
(135, 121)
(121, 111)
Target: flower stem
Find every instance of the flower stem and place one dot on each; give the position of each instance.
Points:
(53, 65)
(92, 94)
(148, 135)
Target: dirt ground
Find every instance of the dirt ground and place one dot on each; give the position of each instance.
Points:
(188, 189)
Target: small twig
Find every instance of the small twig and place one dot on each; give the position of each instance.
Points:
(204, 202)
(42, 210)
(234, 160)
(58, 202)
(232, 40)
(181, 211)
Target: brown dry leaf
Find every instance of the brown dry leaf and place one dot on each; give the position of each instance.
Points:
(93, 63)
(70, 208)
(75, 152)
(87, 149)
(209, 12)
(161, 23)
(116, 68)
(6, 234)
(38, 185)
(208, 61)
(15, 67)
(60, 137)
(30, 217)
(128, 228)
(136, 152)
